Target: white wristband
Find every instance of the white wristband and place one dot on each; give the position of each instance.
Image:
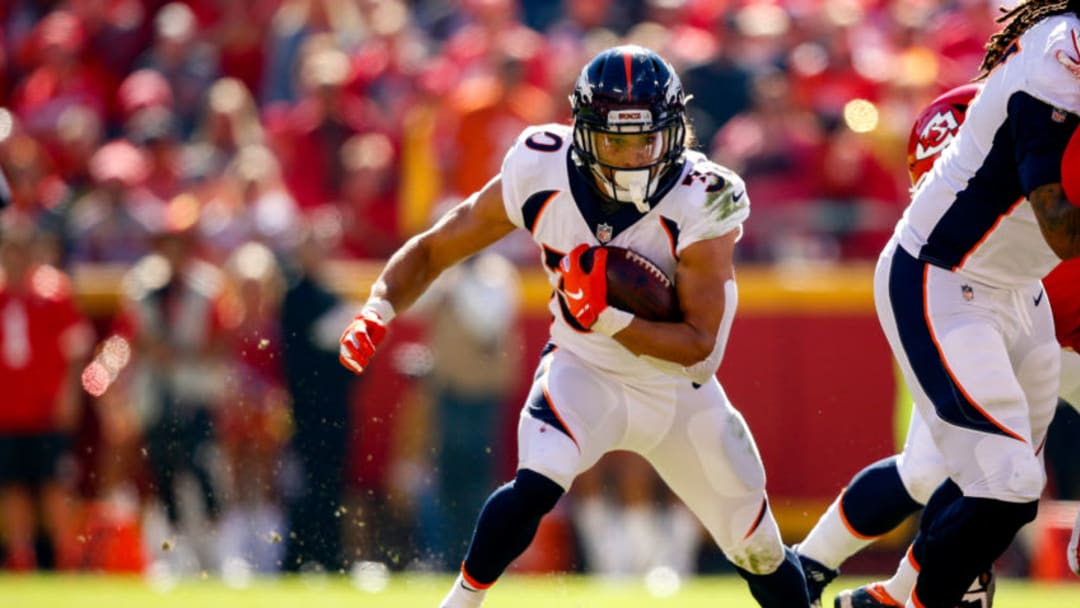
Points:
(381, 307)
(611, 321)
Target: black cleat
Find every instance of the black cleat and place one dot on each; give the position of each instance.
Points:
(817, 577)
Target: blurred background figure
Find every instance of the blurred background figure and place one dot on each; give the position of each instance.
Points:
(187, 60)
(113, 222)
(629, 523)
(253, 419)
(369, 203)
(311, 315)
(476, 352)
(172, 317)
(44, 340)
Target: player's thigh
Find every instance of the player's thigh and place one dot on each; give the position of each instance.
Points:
(710, 461)
(572, 416)
(1004, 363)
(946, 336)
(920, 465)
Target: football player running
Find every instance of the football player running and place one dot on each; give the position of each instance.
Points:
(958, 295)
(622, 174)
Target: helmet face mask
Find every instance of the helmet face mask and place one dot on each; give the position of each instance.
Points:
(629, 123)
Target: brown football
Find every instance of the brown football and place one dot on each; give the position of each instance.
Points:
(637, 285)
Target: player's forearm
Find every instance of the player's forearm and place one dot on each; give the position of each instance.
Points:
(407, 274)
(676, 342)
(1059, 220)
(682, 343)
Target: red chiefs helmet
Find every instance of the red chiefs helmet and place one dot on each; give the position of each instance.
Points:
(936, 127)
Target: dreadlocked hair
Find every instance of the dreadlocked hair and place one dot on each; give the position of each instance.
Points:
(1020, 18)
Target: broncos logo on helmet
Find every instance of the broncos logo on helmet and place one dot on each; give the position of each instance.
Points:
(629, 123)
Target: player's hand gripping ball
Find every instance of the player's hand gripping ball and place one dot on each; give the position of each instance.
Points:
(360, 339)
(583, 285)
(630, 282)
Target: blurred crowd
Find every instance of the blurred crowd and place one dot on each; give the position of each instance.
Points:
(221, 152)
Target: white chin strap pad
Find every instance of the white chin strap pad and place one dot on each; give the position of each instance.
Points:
(632, 184)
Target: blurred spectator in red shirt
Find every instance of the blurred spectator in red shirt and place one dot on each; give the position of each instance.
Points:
(776, 147)
(491, 111)
(117, 31)
(253, 421)
(826, 72)
(860, 198)
(238, 33)
(369, 197)
(492, 30)
(43, 341)
(62, 76)
(309, 138)
(957, 35)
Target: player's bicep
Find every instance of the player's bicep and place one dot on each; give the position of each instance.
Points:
(703, 269)
(472, 225)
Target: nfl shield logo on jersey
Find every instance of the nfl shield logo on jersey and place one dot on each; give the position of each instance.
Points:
(603, 232)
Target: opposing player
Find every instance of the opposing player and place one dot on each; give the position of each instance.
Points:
(622, 174)
(883, 494)
(959, 297)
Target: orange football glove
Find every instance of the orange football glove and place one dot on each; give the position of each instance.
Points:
(360, 339)
(585, 293)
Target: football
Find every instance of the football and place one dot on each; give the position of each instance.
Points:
(637, 285)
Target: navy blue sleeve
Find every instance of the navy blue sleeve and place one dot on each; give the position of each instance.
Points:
(1041, 133)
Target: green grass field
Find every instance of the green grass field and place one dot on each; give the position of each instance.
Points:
(425, 592)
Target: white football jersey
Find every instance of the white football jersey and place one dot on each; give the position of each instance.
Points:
(970, 214)
(546, 194)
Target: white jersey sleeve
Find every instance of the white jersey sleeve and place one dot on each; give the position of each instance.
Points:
(1054, 73)
(528, 165)
(724, 202)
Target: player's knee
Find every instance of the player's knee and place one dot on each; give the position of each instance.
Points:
(760, 560)
(1013, 476)
(1026, 480)
(761, 553)
(535, 492)
(921, 482)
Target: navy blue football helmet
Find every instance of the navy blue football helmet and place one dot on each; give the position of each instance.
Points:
(629, 123)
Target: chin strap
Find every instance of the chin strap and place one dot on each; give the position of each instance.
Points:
(635, 185)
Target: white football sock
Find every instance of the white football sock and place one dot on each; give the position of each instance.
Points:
(901, 584)
(831, 542)
(462, 595)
